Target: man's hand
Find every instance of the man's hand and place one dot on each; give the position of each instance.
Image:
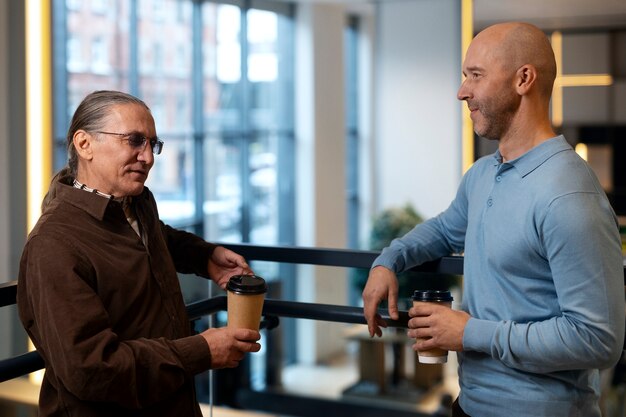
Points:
(381, 284)
(228, 346)
(225, 263)
(442, 326)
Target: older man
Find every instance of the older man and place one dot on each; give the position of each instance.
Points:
(98, 291)
(543, 297)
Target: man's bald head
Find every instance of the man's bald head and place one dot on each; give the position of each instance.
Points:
(516, 44)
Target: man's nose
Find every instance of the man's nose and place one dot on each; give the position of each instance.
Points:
(463, 93)
(146, 156)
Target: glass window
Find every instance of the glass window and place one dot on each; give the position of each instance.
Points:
(227, 28)
(165, 83)
(99, 6)
(159, 10)
(89, 65)
(74, 55)
(352, 131)
(221, 99)
(353, 203)
(73, 5)
(181, 61)
(99, 56)
(262, 38)
(158, 57)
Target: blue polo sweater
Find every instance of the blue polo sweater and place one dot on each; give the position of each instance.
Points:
(543, 282)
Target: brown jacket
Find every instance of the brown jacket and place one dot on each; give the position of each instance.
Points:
(106, 311)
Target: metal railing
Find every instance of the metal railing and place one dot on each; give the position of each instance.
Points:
(272, 309)
(29, 362)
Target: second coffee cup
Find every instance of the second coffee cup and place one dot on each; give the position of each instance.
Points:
(245, 297)
(439, 297)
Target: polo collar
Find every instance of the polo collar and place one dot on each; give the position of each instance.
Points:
(536, 156)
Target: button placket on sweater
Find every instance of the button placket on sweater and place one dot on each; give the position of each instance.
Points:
(498, 179)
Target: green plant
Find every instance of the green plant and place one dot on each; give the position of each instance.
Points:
(386, 226)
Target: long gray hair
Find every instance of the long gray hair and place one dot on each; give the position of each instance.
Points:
(90, 116)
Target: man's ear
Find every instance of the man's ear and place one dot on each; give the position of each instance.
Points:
(526, 78)
(83, 144)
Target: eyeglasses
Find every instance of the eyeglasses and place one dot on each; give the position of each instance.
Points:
(138, 141)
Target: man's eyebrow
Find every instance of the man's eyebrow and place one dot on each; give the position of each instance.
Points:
(473, 68)
(137, 132)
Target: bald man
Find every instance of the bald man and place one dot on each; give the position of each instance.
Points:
(543, 296)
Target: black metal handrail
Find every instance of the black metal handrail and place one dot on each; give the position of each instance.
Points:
(336, 257)
(32, 361)
(8, 293)
(299, 310)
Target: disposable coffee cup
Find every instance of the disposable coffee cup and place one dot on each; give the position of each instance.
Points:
(245, 296)
(439, 297)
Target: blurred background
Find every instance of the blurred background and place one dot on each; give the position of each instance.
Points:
(294, 123)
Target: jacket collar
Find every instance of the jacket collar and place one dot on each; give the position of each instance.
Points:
(94, 204)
